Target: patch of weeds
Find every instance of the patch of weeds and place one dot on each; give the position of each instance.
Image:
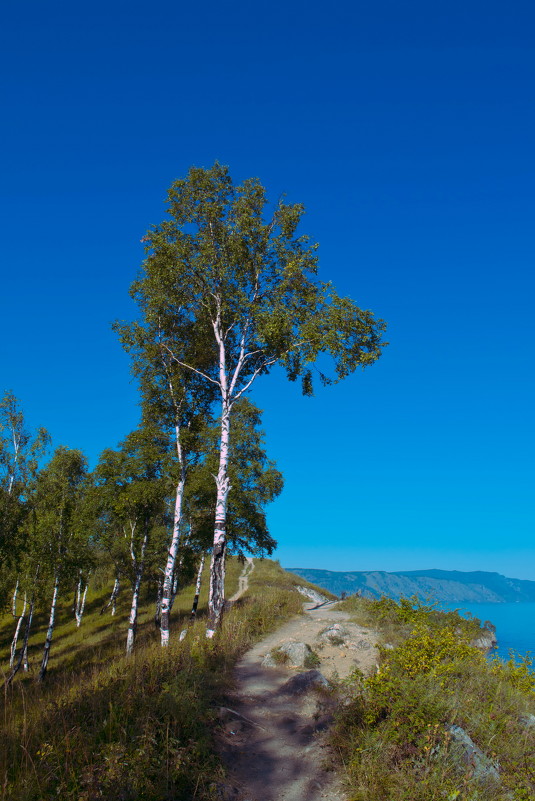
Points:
(312, 660)
(279, 657)
(336, 640)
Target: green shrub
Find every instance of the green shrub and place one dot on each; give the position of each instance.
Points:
(392, 732)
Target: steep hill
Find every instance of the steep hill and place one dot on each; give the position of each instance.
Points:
(442, 585)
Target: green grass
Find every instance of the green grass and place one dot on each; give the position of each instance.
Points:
(105, 726)
(392, 730)
(101, 637)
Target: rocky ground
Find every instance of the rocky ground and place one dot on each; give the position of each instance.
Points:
(272, 734)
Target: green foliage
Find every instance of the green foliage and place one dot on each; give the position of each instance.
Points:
(20, 455)
(254, 479)
(279, 657)
(393, 733)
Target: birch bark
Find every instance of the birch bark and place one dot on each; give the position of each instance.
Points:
(132, 620)
(216, 597)
(158, 605)
(197, 588)
(50, 631)
(80, 604)
(23, 655)
(17, 631)
(113, 597)
(167, 591)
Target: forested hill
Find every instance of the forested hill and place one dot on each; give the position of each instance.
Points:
(441, 585)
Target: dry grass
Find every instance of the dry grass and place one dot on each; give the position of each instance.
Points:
(105, 726)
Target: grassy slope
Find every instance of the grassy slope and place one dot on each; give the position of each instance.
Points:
(107, 727)
(392, 733)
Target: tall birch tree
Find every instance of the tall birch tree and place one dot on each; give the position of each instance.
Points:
(236, 271)
(179, 402)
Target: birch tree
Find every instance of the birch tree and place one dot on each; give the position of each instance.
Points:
(238, 273)
(178, 401)
(20, 452)
(255, 483)
(61, 544)
(130, 489)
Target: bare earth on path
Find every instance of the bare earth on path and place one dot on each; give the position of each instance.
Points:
(272, 737)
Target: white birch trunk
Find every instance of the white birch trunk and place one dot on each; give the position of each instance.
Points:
(16, 635)
(132, 620)
(216, 598)
(197, 588)
(14, 601)
(167, 590)
(23, 656)
(113, 597)
(80, 604)
(158, 609)
(76, 604)
(50, 631)
(176, 578)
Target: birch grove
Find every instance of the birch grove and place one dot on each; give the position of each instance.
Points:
(229, 289)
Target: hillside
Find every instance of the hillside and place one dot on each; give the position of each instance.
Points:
(229, 719)
(441, 585)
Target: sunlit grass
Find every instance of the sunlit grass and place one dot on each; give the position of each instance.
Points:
(107, 726)
(103, 636)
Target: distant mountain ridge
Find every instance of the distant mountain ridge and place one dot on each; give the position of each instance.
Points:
(450, 586)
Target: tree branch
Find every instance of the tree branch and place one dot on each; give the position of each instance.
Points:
(189, 367)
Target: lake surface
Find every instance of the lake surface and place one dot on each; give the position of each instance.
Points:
(515, 624)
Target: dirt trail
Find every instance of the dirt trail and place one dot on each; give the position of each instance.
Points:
(243, 580)
(272, 738)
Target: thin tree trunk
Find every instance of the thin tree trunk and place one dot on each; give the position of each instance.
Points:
(113, 597)
(16, 635)
(176, 578)
(77, 592)
(158, 610)
(197, 589)
(80, 605)
(14, 601)
(50, 632)
(167, 590)
(216, 599)
(132, 621)
(23, 655)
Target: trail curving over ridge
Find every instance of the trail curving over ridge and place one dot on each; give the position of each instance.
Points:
(272, 738)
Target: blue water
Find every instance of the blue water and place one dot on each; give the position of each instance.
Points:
(515, 624)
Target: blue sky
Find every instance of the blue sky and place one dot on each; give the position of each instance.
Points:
(407, 130)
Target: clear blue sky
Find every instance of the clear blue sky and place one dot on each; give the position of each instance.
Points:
(408, 131)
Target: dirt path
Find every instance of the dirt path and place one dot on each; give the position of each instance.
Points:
(272, 736)
(243, 580)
